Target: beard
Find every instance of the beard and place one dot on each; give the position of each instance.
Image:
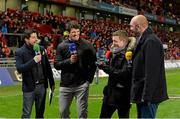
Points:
(136, 32)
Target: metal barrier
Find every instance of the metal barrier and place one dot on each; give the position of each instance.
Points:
(7, 62)
(11, 62)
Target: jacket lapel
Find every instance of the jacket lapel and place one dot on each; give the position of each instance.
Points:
(142, 39)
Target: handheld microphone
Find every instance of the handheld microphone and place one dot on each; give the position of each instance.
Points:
(72, 48)
(108, 54)
(128, 57)
(36, 48)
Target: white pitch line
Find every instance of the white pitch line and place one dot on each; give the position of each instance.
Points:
(94, 97)
(3, 96)
(176, 97)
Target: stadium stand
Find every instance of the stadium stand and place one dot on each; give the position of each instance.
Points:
(96, 28)
(51, 27)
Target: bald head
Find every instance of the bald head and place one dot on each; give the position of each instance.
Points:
(139, 22)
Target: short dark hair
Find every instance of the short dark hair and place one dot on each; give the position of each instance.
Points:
(72, 24)
(28, 32)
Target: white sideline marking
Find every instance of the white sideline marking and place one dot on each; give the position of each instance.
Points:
(94, 97)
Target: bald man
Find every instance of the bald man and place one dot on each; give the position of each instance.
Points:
(149, 81)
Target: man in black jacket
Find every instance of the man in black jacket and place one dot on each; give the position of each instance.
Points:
(76, 59)
(149, 81)
(117, 91)
(36, 73)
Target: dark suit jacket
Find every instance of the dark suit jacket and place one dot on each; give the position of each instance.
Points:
(25, 63)
(149, 81)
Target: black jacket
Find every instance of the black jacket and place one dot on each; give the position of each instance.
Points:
(117, 91)
(149, 81)
(25, 63)
(79, 72)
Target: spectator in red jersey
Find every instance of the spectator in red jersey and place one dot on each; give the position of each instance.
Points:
(176, 53)
(2, 39)
(50, 51)
(6, 50)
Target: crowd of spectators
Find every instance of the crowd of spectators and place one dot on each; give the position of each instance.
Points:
(51, 32)
(155, 7)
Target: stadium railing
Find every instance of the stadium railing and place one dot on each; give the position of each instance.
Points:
(10, 62)
(7, 62)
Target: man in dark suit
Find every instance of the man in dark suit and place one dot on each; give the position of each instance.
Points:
(148, 78)
(36, 72)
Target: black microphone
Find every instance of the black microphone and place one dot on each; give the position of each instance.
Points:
(72, 48)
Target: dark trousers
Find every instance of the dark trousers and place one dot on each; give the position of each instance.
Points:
(108, 110)
(147, 110)
(38, 96)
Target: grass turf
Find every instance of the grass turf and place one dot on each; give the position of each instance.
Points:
(11, 100)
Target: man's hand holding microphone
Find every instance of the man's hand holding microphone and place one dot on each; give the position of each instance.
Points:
(73, 58)
(129, 52)
(73, 51)
(38, 56)
(103, 63)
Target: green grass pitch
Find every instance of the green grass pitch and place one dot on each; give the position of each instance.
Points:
(11, 100)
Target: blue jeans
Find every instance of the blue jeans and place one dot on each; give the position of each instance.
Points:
(38, 96)
(147, 110)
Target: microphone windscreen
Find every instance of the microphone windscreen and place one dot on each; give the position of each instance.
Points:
(108, 54)
(72, 48)
(128, 55)
(36, 47)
